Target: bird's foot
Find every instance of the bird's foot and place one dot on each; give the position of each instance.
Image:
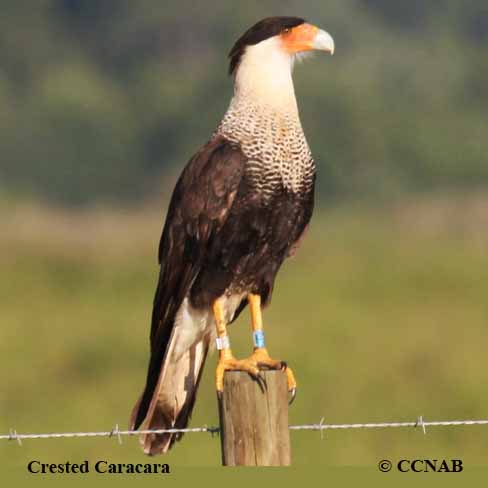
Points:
(262, 359)
(229, 363)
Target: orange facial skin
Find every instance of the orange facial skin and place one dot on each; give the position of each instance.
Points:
(299, 38)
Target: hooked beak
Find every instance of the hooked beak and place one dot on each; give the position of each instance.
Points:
(323, 42)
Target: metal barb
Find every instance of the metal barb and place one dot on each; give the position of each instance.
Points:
(213, 431)
(420, 421)
(14, 436)
(116, 432)
(321, 424)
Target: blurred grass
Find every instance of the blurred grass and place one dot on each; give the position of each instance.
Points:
(383, 315)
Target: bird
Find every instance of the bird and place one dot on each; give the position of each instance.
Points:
(239, 209)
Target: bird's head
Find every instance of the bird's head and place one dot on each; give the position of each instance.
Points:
(262, 59)
(274, 37)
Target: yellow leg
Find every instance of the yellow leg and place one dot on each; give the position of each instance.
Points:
(227, 361)
(260, 354)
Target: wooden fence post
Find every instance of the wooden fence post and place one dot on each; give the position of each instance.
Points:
(254, 424)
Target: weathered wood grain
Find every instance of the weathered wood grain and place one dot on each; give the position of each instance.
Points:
(254, 424)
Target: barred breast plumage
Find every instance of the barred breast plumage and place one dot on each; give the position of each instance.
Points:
(274, 143)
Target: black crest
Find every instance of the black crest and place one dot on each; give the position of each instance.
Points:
(264, 29)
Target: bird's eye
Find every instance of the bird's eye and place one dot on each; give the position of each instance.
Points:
(286, 30)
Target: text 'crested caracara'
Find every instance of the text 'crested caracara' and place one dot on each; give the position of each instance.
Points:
(237, 212)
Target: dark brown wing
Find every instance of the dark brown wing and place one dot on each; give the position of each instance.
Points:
(200, 204)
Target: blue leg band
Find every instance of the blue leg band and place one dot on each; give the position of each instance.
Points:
(258, 338)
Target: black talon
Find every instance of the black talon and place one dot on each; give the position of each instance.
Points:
(261, 382)
(284, 365)
(293, 393)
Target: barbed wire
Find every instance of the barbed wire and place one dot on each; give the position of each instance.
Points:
(13, 435)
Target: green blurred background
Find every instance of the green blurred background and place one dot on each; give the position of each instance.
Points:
(383, 313)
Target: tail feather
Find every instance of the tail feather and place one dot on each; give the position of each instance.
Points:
(173, 396)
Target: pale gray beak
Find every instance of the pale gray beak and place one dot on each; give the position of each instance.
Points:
(323, 42)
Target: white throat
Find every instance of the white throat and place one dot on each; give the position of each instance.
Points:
(264, 76)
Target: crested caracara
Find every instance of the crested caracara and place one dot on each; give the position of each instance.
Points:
(237, 212)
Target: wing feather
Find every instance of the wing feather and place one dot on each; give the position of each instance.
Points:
(200, 204)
